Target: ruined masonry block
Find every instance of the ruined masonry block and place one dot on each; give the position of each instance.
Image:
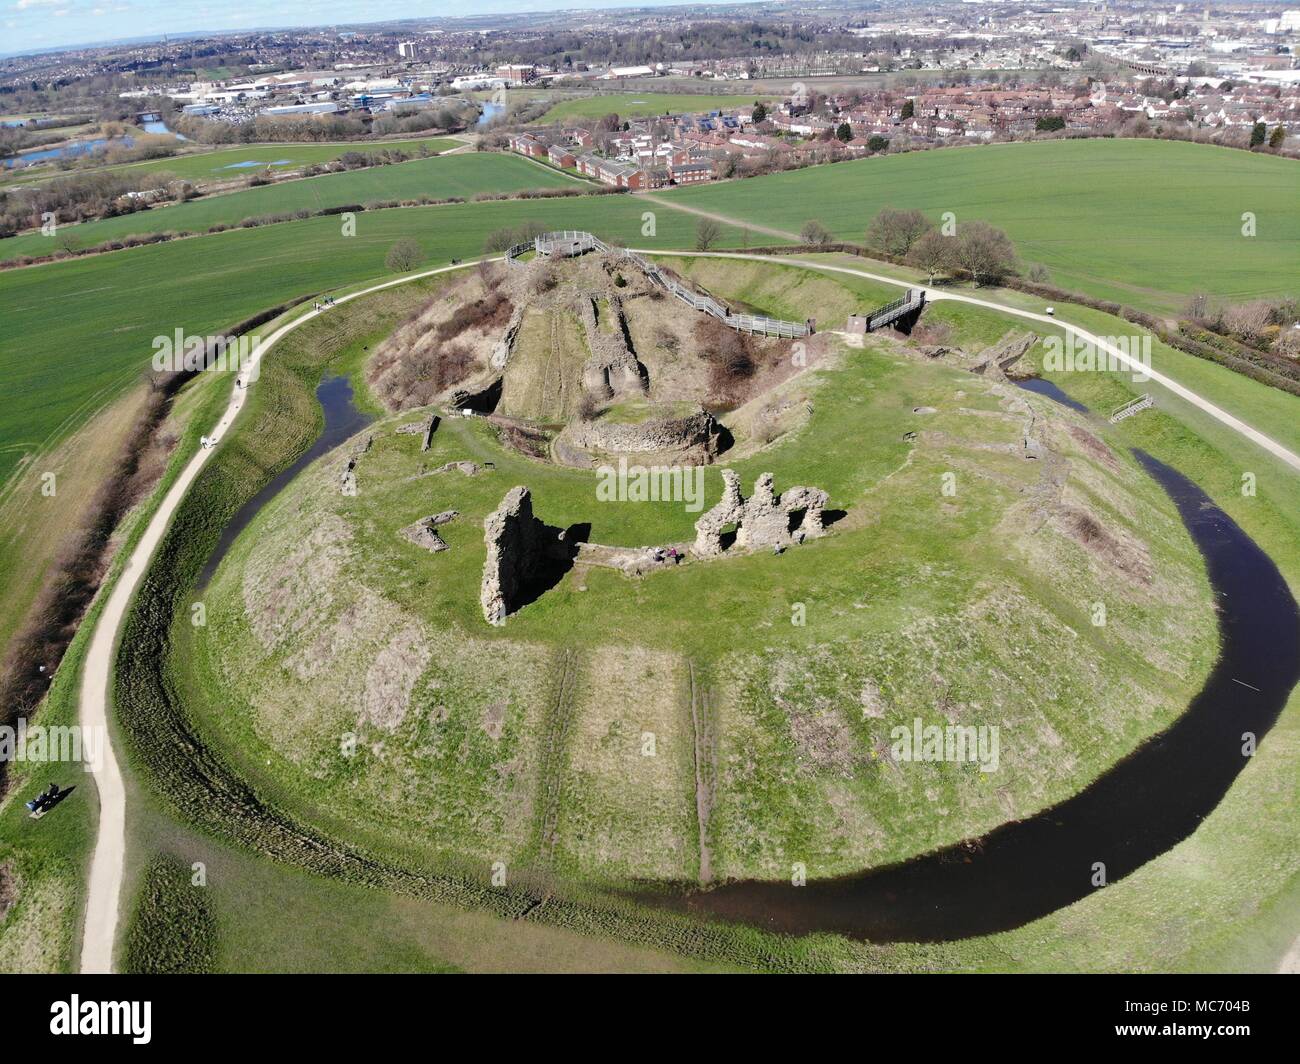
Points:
(764, 520)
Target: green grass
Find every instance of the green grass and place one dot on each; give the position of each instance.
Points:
(51, 855)
(1213, 878)
(1228, 882)
(1136, 221)
(1087, 935)
(852, 446)
(172, 930)
(455, 176)
(113, 305)
(646, 104)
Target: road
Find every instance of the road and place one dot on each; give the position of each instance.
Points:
(935, 294)
(105, 885)
(104, 888)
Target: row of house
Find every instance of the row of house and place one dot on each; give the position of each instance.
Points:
(633, 162)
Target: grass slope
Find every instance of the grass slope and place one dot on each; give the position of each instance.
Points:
(1218, 900)
(50, 856)
(619, 815)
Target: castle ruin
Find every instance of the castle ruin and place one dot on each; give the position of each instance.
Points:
(765, 519)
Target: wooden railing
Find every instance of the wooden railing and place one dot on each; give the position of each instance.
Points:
(1133, 406)
(911, 300)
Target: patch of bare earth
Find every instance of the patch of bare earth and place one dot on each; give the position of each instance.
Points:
(8, 889)
(392, 676)
(1117, 548)
(822, 737)
(1093, 446)
(283, 595)
(446, 341)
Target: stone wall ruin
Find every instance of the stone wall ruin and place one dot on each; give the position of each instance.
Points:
(764, 520)
(523, 555)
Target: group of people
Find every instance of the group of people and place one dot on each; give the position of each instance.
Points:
(667, 554)
(328, 301)
(45, 799)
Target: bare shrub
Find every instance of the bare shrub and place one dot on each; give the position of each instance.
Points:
(543, 277)
(813, 232)
(1249, 321)
(492, 311)
(667, 339)
(731, 357)
(932, 334)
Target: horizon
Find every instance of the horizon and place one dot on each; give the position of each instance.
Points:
(33, 27)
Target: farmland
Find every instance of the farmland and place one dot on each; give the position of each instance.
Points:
(222, 164)
(1124, 220)
(85, 328)
(115, 304)
(645, 104)
(120, 301)
(459, 176)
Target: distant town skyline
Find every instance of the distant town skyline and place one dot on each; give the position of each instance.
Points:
(36, 25)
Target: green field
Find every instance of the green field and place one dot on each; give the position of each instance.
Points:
(455, 176)
(1222, 900)
(646, 104)
(87, 324)
(222, 164)
(1135, 221)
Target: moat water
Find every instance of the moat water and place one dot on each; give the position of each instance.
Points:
(1140, 808)
(342, 420)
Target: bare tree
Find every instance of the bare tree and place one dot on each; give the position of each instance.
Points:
(1198, 306)
(896, 231)
(706, 234)
(932, 253)
(404, 255)
(984, 251)
(813, 232)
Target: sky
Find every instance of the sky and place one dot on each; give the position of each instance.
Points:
(30, 25)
